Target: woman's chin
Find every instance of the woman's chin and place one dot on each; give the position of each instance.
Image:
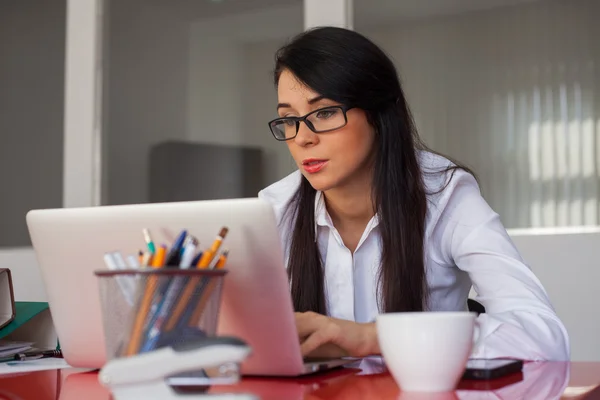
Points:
(320, 182)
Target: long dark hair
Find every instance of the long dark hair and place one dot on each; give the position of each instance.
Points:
(346, 67)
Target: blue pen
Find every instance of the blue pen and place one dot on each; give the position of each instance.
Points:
(191, 306)
(171, 261)
(197, 258)
(174, 257)
(186, 242)
(171, 295)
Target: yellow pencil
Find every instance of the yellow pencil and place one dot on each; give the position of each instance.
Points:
(136, 333)
(208, 255)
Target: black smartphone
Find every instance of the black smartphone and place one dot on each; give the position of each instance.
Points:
(491, 369)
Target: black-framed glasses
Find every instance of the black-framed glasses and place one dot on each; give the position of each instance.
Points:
(319, 121)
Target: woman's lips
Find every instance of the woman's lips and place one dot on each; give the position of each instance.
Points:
(313, 165)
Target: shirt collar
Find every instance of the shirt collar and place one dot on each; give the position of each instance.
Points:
(322, 217)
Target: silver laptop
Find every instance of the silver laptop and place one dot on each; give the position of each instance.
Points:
(256, 303)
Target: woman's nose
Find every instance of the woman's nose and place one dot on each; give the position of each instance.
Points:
(305, 137)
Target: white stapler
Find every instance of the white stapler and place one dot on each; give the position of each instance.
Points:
(211, 360)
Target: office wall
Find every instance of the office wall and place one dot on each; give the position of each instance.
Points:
(231, 94)
(513, 93)
(169, 79)
(32, 53)
(146, 93)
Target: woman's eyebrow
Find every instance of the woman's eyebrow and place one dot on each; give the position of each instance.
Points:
(315, 99)
(310, 101)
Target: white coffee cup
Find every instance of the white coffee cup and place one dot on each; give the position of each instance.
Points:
(427, 351)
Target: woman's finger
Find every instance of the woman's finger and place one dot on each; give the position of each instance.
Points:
(308, 323)
(327, 332)
(314, 341)
(327, 351)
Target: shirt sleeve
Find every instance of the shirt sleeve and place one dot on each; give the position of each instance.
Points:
(519, 321)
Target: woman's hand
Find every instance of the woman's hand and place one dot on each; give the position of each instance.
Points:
(322, 336)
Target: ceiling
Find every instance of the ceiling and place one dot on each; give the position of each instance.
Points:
(371, 12)
(366, 12)
(207, 9)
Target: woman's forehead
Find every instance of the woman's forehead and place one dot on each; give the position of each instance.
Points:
(291, 89)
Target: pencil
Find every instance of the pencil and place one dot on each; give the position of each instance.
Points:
(188, 291)
(222, 259)
(146, 259)
(136, 333)
(205, 297)
(208, 255)
(149, 241)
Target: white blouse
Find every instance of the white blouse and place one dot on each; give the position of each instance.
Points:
(465, 245)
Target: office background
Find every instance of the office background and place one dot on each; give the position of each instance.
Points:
(510, 87)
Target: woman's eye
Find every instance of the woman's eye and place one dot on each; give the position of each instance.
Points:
(289, 122)
(324, 114)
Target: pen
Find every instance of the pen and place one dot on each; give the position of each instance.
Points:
(189, 289)
(196, 259)
(119, 260)
(128, 280)
(136, 335)
(126, 285)
(186, 242)
(207, 291)
(174, 256)
(189, 252)
(146, 259)
(132, 262)
(149, 241)
(172, 291)
(33, 355)
(158, 260)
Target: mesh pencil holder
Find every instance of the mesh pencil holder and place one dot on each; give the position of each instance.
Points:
(147, 309)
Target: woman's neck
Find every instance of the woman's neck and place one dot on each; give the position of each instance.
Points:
(351, 208)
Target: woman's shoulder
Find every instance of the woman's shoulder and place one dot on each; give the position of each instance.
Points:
(281, 193)
(450, 189)
(441, 176)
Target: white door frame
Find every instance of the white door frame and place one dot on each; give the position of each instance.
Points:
(83, 103)
(339, 13)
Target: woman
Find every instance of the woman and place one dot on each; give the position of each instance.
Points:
(374, 222)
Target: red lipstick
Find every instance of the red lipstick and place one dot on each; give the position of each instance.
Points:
(313, 165)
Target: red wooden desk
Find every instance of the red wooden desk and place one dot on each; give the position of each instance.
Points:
(550, 380)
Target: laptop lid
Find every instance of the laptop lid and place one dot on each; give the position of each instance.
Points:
(256, 304)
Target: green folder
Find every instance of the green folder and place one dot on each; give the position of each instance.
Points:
(25, 311)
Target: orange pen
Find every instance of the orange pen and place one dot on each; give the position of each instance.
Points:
(136, 333)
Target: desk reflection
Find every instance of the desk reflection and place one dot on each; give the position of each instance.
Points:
(367, 379)
(541, 380)
(83, 385)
